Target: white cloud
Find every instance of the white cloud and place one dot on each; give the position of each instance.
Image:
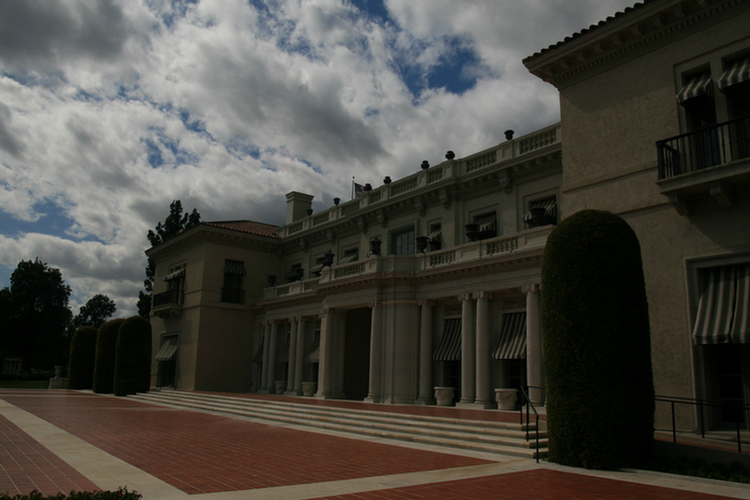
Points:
(110, 110)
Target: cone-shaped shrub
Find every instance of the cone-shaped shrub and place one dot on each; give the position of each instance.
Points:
(133, 357)
(597, 351)
(106, 346)
(82, 353)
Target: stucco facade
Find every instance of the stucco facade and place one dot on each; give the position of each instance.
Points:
(436, 305)
(625, 85)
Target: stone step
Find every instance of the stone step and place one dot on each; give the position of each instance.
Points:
(487, 436)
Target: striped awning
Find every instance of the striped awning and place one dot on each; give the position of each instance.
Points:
(449, 348)
(167, 350)
(175, 275)
(486, 222)
(723, 306)
(313, 354)
(258, 358)
(697, 86)
(436, 233)
(737, 72)
(549, 205)
(283, 355)
(512, 341)
(234, 267)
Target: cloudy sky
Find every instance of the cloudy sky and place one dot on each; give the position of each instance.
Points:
(109, 110)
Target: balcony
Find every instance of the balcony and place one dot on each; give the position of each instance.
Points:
(521, 245)
(712, 160)
(169, 303)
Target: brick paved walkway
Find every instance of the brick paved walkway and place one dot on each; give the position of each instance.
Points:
(26, 465)
(235, 459)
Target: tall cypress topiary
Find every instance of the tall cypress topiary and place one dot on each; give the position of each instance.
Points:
(82, 353)
(106, 345)
(133, 357)
(600, 392)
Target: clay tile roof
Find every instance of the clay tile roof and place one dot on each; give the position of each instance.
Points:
(591, 28)
(246, 226)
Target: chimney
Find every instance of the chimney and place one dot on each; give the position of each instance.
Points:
(297, 205)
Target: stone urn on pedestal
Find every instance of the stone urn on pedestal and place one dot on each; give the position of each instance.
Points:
(444, 396)
(309, 388)
(506, 399)
(279, 386)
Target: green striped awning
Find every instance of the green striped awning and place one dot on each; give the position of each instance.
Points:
(486, 222)
(549, 205)
(234, 267)
(313, 354)
(723, 314)
(696, 86)
(167, 350)
(512, 341)
(175, 275)
(736, 72)
(449, 348)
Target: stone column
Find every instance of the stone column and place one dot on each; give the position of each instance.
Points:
(376, 354)
(272, 353)
(292, 361)
(299, 359)
(325, 366)
(266, 349)
(426, 387)
(484, 391)
(468, 350)
(534, 367)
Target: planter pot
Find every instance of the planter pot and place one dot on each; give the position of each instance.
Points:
(506, 399)
(279, 386)
(444, 396)
(309, 388)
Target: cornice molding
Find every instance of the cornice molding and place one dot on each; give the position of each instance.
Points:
(619, 37)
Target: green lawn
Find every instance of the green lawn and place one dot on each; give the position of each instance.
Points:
(24, 384)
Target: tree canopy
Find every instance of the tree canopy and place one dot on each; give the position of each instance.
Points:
(175, 223)
(95, 312)
(36, 314)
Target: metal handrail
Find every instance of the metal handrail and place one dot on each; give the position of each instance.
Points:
(530, 406)
(701, 404)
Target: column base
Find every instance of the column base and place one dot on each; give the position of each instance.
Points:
(371, 399)
(293, 393)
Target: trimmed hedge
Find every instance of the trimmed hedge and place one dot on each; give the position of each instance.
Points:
(106, 347)
(82, 354)
(121, 494)
(133, 357)
(600, 404)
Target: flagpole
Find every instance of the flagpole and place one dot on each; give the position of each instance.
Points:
(352, 188)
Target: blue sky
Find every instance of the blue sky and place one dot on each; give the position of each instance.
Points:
(109, 110)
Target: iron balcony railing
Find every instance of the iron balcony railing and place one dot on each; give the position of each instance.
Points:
(168, 298)
(703, 148)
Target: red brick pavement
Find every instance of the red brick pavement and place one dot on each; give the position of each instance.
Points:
(26, 465)
(541, 484)
(202, 453)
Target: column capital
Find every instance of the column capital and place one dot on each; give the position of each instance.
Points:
(465, 296)
(426, 302)
(482, 295)
(533, 288)
(373, 304)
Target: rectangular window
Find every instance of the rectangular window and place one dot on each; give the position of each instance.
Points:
(434, 236)
(541, 212)
(402, 242)
(175, 287)
(232, 291)
(350, 255)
